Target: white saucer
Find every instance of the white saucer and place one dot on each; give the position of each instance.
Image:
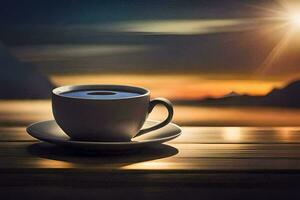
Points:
(49, 131)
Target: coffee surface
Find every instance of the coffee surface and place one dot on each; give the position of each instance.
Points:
(100, 94)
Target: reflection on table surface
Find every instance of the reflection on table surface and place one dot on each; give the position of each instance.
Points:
(22, 113)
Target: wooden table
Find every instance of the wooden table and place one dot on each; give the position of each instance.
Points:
(205, 162)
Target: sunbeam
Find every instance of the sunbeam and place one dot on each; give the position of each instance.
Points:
(286, 17)
(276, 52)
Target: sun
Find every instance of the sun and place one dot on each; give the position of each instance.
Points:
(294, 19)
(286, 19)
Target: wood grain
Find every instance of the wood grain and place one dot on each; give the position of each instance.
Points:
(19, 156)
(198, 135)
(200, 157)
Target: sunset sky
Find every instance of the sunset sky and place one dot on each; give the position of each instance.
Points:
(200, 48)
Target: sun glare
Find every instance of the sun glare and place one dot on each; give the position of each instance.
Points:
(287, 18)
(294, 19)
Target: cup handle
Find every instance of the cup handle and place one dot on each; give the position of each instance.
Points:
(152, 104)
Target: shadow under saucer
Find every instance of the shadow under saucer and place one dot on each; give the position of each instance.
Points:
(76, 156)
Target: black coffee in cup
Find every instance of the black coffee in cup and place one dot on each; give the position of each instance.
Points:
(100, 94)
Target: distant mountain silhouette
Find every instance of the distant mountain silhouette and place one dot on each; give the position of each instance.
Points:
(232, 94)
(289, 96)
(21, 81)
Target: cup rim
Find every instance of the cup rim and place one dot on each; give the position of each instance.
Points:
(62, 89)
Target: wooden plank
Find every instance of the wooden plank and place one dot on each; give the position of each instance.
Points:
(199, 135)
(178, 158)
(12, 134)
(109, 179)
(239, 135)
(154, 186)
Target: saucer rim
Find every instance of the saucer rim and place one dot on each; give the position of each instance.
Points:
(70, 141)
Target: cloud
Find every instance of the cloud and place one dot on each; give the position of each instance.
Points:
(225, 46)
(182, 27)
(70, 52)
(163, 27)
